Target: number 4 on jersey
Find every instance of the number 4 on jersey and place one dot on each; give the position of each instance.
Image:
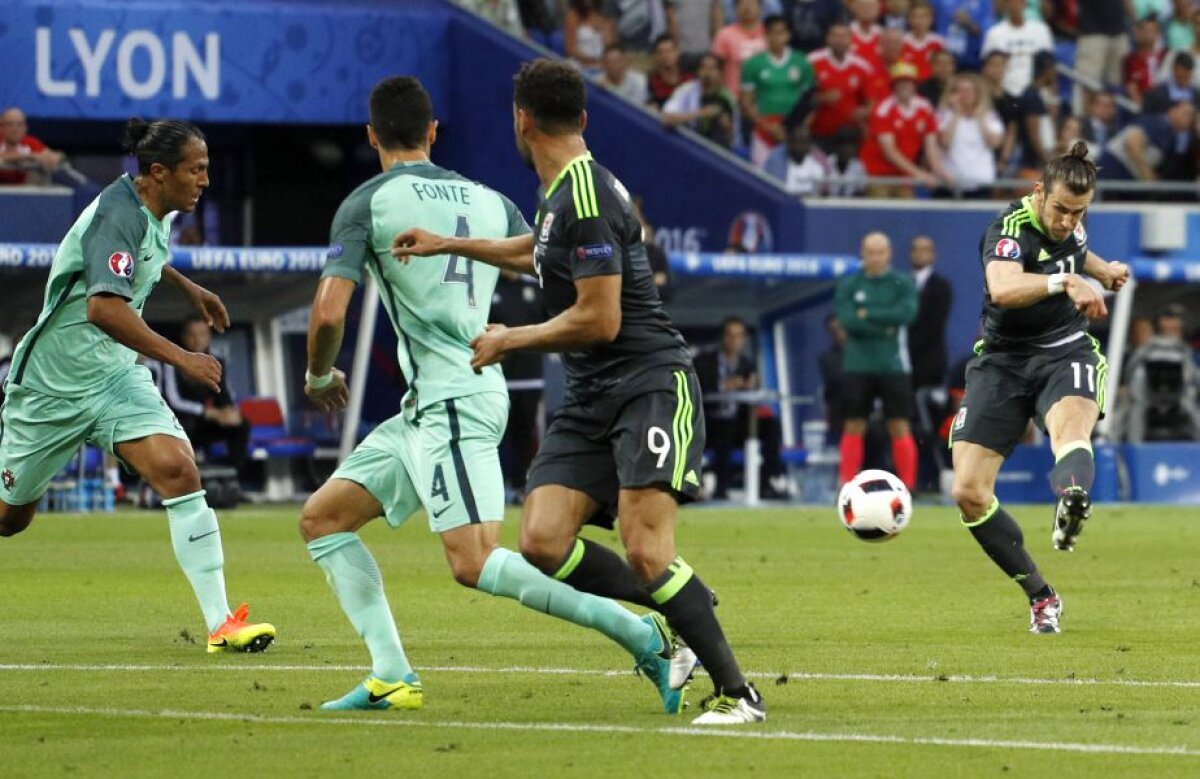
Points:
(453, 274)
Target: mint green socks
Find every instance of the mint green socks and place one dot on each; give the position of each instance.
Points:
(354, 576)
(508, 575)
(197, 541)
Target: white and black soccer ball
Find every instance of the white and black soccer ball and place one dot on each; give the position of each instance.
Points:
(875, 506)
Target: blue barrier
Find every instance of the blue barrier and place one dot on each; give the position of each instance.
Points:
(1163, 472)
(219, 259)
(1024, 478)
(311, 259)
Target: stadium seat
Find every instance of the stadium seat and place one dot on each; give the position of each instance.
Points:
(269, 441)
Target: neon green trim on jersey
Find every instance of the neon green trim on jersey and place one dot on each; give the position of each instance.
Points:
(587, 155)
(1101, 374)
(681, 428)
(1013, 224)
(681, 573)
(572, 561)
(583, 188)
(1033, 216)
(992, 509)
(1071, 447)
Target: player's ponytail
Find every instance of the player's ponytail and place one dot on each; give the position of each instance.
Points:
(161, 141)
(1073, 170)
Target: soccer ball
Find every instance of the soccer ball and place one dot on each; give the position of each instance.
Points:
(875, 506)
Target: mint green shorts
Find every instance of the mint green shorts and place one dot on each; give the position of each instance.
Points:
(447, 459)
(40, 433)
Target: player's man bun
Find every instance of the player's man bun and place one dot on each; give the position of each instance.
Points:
(554, 93)
(161, 141)
(1073, 170)
(135, 130)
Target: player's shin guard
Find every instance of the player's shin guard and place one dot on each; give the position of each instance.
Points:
(1001, 538)
(904, 453)
(354, 576)
(687, 604)
(1073, 467)
(851, 450)
(506, 574)
(197, 542)
(594, 568)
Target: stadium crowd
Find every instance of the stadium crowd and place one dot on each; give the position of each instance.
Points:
(842, 97)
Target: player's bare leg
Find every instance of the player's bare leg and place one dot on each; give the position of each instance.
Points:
(15, 519)
(975, 470)
(648, 533)
(1070, 422)
(169, 466)
(552, 518)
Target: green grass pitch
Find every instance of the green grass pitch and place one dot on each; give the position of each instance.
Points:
(909, 658)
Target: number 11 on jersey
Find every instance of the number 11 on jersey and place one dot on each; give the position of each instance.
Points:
(453, 274)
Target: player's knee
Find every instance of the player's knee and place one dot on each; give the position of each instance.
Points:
(466, 571)
(542, 545)
(176, 476)
(648, 560)
(316, 521)
(12, 523)
(972, 499)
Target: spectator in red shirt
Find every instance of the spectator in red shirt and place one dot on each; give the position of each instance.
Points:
(21, 153)
(666, 74)
(920, 44)
(865, 30)
(1144, 61)
(901, 128)
(891, 53)
(841, 86)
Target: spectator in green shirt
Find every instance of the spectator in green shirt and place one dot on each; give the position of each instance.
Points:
(773, 81)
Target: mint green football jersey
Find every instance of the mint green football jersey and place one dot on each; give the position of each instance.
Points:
(115, 246)
(437, 305)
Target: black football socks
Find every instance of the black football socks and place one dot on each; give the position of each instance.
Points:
(1001, 538)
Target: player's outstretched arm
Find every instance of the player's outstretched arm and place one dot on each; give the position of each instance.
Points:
(206, 303)
(1011, 287)
(594, 318)
(515, 253)
(112, 314)
(324, 384)
(1113, 275)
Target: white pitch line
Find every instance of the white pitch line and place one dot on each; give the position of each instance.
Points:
(519, 669)
(751, 732)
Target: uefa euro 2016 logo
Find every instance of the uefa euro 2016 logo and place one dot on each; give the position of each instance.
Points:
(750, 232)
(121, 264)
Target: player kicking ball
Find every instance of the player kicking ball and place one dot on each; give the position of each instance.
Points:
(75, 378)
(441, 451)
(1036, 361)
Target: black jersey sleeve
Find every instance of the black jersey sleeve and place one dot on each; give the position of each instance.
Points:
(593, 248)
(999, 245)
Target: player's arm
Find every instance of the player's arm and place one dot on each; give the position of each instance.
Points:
(1112, 275)
(350, 244)
(594, 319)
(514, 253)
(112, 314)
(110, 265)
(206, 303)
(324, 384)
(1011, 287)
